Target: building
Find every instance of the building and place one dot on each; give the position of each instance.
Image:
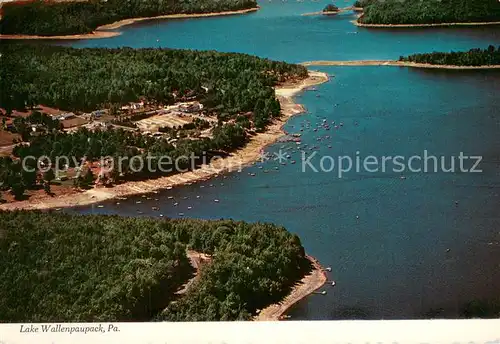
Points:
(62, 117)
(98, 113)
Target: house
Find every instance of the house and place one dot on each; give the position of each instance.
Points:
(66, 115)
(190, 108)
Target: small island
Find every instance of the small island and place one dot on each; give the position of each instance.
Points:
(330, 9)
(396, 13)
(57, 267)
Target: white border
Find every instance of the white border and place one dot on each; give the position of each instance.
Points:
(289, 332)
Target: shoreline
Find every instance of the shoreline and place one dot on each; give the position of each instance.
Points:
(94, 35)
(393, 63)
(307, 285)
(240, 158)
(328, 13)
(101, 31)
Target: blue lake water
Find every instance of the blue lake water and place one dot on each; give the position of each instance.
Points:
(399, 243)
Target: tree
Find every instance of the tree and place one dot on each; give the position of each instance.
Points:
(17, 190)
(88, 178)
(46, 188)
(49, 176)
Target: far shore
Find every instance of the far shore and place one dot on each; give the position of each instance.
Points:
(93, 35)
(394, 64)
(402, 26)
(243, 157)
(309, 284)
(101, 31)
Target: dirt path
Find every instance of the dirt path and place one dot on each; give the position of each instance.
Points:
(310, 283)
(241, 158)
(197, 260)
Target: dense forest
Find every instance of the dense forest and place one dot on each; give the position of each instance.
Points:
(61, 267)
(228, 85)
(428, 11)
(67, 18)
(473, 57)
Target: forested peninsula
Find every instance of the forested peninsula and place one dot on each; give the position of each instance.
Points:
(393, 12)
(473, 57)
(235, 90)
(44, 18)
(60, 267)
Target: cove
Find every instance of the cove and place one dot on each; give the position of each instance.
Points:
(399, 248)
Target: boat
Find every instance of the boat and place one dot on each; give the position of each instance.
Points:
(216, 200)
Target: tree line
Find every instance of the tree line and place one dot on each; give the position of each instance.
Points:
(428, 11)
(68, 18)
(61, 267)
(473, 57)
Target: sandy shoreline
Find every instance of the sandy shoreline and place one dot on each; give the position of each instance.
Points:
(101, 32)
(393, 64)
(245, 156)
(125, 22)
(310, 283)
(93, 35)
